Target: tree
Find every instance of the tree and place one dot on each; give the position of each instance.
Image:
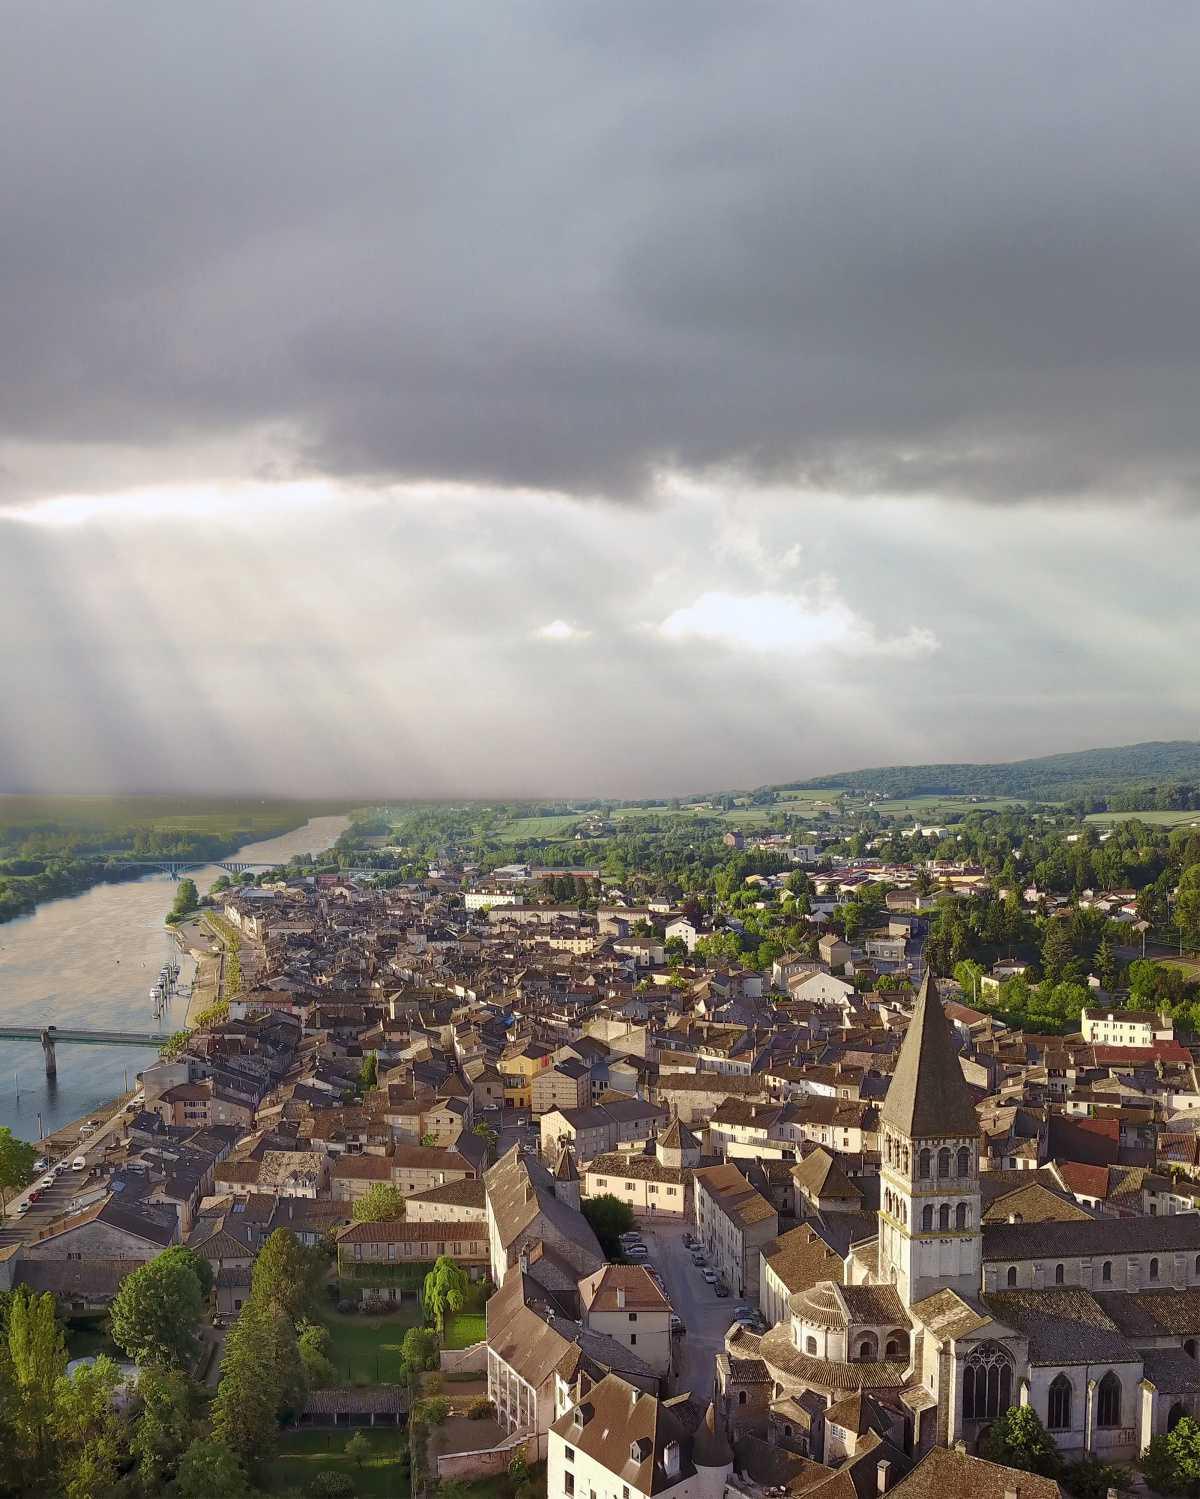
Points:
(286, 1273)
(489, 1137)
(209, 1467)
(329, 1485)
(156, 1313)
(1017, 1439)
(419, 1348)
(88, 1429)
(312, 1340)
(435, 1410)
(16, 1165)
(609, 1218)
(187, 898)
(38, 1358)
(358, 1449)
(248, 1396)
(381, 1203)
(1106, 964)
(1057, 950)
(368, 1073)
(196, 1263)
(445, 1289)
(165, 1426)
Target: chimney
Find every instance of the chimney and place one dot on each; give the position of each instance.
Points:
(634, 1392)
(883, 1475)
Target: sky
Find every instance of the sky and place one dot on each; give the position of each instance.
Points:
(606, 398)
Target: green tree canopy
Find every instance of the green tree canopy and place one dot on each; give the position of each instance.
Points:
(445, 1289)
(287, 1274)
(209, 1467)
(16, 1165)
(1017, 1439)
(609, 1218)
(381, 1203)
(156, 1313)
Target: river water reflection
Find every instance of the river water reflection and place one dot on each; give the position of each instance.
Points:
(90, 960)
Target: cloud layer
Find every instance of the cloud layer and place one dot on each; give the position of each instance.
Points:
(934, 248)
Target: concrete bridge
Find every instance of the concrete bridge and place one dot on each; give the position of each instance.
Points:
(176, 868)
(50, 1036)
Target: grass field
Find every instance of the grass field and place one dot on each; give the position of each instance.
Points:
(169, 814)
(521, 828)
(1155, 819)
(304, 1454)
(464, 1329)
(931, 808)
(366, 1350)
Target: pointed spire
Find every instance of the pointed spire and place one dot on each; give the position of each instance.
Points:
(928, 1093)
(710, 1449)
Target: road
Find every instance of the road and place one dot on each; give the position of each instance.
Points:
(704, 1314)
(56, 1201)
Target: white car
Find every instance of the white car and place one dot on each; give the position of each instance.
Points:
(23, 1207)
(79, 1163)
(46, 1181)
(710, 1276)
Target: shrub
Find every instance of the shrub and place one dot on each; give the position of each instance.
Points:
(347, 1307)
(433, 1384)
(436, 1409)
(481, 1409)
(330, 1486)
(1089, 1478)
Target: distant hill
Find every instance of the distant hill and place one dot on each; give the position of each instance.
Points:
(1046, 778)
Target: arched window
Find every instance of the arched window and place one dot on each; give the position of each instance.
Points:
(810, 1345)
(1175, 1415)
(987, 1383)
(944, 1161)
(1153, 1269)
(944, 1215)
(1106, 1271)
(891, 1150)
(787, 1431)
(741, 1397)
(924, 1161)
(960, 1215)
(1060, 1275)
(1189, 1347)
(906, 1163)
(927, 1216)
(1012, 1275)
(867, 1350)
(964, 1161)
(897, 1344)
(1059, 1413)
(1108, 1401)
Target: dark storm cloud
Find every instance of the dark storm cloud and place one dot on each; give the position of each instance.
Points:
(948, 247)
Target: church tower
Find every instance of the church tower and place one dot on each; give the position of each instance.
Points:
(930, 1236)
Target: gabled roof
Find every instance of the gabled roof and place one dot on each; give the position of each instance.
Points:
(928, 1093)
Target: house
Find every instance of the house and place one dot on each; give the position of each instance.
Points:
(627, 1304)
(523, 1208)
(734, 1222)
(835, 951)
(386, 1259)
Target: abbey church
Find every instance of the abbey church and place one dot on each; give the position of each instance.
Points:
(946, 1320)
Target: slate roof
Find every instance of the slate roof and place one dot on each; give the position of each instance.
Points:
(946, 1474)
(928, 1095)
(1022, 1241)
(1064, 1325)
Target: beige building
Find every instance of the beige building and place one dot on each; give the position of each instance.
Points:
(625, 1302)
(734, 1222)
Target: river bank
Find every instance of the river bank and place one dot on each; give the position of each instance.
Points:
(90, 962)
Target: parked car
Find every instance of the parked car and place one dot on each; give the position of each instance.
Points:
(36, 1195)
(61, 1167)
(722, 1289)
(636, 1252)
(23, 1207)
(699, 1261)
(710, 1276)
(79, 1163)
(690, 1241)
(41, 1164)
(676, 1323)
(631, 1237)
(46, 1181)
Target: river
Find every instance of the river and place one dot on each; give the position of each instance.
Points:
(90, 960)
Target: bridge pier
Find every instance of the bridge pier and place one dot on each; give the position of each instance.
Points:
(48, 1052)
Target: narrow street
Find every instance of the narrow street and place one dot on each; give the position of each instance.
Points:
(704, 1314)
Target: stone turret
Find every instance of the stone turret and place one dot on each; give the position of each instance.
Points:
(566, 1178)
(712, 1456)
(677, 1146)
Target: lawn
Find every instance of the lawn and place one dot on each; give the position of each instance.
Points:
(464, 1329)
(366, 1349)
(304, 1454)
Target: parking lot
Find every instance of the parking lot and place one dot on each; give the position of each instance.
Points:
(705, 1315)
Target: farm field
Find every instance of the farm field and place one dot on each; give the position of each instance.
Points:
(521, 828)
(933, 807)
(1156, 819)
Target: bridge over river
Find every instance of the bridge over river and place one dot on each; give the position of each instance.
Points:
(85, 1037)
